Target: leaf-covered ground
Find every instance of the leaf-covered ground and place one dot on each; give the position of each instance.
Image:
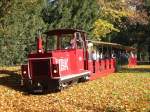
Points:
(126, 91)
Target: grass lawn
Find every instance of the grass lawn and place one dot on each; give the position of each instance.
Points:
(126, 91)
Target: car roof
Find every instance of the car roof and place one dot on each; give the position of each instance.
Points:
(63, 31)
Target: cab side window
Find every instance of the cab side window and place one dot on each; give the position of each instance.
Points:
(79, 40)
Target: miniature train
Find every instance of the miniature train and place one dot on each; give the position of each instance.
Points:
(67, 57)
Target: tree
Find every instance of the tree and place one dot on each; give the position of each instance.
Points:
(111, 14)
(102, 28)
(135, 31)
(120, 15)
(71, 14)
(18, 25)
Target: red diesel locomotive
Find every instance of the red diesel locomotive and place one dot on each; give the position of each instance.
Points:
(64, 58)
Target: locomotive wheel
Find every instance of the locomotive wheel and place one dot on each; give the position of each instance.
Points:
(62, 86)
(84, 79)
(27, 89)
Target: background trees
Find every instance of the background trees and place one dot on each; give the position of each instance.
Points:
(79, 14)
(121, 21)
(19, 22)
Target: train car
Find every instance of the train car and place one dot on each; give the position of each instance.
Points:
(64, 56)
(101, 62)
(124, 55)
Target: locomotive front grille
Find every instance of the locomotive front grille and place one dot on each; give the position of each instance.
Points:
(39, 67)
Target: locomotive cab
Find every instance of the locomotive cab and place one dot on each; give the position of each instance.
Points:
(60, 61)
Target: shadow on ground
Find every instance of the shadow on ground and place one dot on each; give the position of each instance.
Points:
(10, 79)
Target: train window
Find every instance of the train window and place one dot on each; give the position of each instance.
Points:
(66, 41)
(51, 42)
(79, 40)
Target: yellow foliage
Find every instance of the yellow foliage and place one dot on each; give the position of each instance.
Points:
(31, 1)
(126, 91)
(115, 14)
(103, 27)
(111, 12)
(115, 9)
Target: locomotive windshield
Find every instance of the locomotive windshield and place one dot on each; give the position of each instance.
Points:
(51, 43)
(64, 41)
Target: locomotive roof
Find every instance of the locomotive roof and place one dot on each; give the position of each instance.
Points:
(115, 45)
(63, 31)
(105, 43)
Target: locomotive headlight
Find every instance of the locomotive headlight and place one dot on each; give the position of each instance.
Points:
(39, 50)
(24, 72)
(55, 71)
